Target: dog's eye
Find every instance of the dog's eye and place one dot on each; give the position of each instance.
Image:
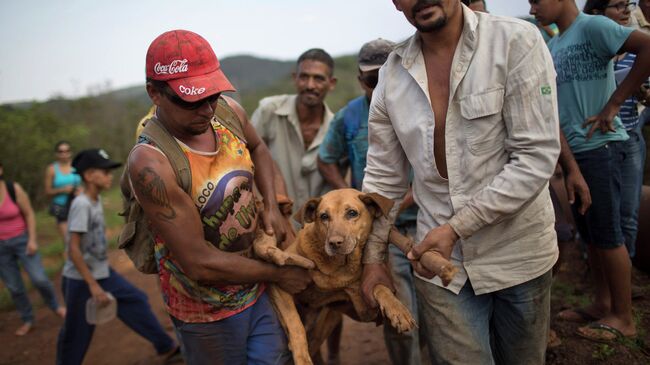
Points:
(324, 216)
(352, 214)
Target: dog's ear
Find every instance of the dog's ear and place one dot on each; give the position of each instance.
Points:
(307, 213)
(377, 204)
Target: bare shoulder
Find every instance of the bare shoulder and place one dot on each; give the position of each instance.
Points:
(18, 187)
(146, 163)
(239, 110)
(154, 182)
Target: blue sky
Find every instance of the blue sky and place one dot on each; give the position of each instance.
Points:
(72, 47)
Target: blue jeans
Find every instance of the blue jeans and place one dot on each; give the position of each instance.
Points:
(253, 336)
(403, 348)
(132, 308)
(631, 183)
(13, 251)
(509, 326)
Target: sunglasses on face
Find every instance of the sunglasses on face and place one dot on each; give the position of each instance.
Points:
(369, 80)
(186, 104)
(63, 151)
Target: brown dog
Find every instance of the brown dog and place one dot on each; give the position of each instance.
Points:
(330, 244)
(336, 228)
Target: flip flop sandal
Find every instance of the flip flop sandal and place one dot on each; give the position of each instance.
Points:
(583, 316)
(599, 332)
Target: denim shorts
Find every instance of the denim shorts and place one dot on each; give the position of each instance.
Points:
(60, 212)
(601, 167)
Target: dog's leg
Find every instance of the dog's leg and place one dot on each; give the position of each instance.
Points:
(396, 312)
(362, 310)
(431, 260)
(286, 309)
(325, 323)
(265, 247)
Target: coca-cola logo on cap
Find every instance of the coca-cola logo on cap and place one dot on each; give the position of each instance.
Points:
(176, 66)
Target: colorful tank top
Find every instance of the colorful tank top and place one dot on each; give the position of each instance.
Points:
(222, 189)
(12, 222)
(60, 180)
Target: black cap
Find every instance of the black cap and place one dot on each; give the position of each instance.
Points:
(374, 53)
(94, 158)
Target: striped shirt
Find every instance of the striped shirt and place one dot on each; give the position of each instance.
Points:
(629, 114)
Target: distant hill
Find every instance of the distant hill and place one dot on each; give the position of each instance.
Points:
(253, 77)
(249, 73)
(108, 120)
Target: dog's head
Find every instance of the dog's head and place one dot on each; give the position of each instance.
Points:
(343, 218)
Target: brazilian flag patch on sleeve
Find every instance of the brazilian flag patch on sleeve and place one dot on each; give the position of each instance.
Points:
(546, 90)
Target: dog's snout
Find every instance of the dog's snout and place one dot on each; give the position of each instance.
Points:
(336, 242)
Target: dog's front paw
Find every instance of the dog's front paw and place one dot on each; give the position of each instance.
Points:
(297, 260)
(283, 258)
(396, 312)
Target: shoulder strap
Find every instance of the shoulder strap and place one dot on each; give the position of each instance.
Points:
(227, 117)
(168, 145)
(11, 189)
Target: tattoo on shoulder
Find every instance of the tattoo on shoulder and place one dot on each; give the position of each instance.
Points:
(152, 187)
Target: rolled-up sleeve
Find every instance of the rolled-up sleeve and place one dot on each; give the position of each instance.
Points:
(386, 170)
(530, 115)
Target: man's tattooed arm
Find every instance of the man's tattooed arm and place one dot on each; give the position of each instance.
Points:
(152, 187)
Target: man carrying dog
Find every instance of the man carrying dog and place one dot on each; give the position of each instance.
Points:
(212, 290)
(470, 102)
(347, 137)
(293, 126)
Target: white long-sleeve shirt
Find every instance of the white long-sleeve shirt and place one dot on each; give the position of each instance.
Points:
(502, 144)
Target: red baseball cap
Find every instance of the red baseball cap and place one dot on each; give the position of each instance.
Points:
(188, 64)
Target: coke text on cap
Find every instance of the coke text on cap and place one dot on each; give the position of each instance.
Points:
(188, 64)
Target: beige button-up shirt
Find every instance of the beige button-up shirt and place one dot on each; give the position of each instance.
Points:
(276, 122)
(638, 21)
(502, 144)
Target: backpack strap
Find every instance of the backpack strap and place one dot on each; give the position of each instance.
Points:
(168, 145)
(11, 189)
(228, 118)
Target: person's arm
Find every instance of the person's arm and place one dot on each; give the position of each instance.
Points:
(331, 151)
(22, 200)
(74, 252)
(264, 174)
(49, 178)
(278, 181)
(387, 175)
(637, 43)
(530, 114)
(168, 207)
(573, 179)
(331, 174)
(408, 200)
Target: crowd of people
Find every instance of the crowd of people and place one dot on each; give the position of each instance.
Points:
(462, 125)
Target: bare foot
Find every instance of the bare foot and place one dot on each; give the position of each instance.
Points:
(580, 315)
(61, 311)
(24, 329)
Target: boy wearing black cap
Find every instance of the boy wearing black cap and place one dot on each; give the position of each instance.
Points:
(86, 272)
